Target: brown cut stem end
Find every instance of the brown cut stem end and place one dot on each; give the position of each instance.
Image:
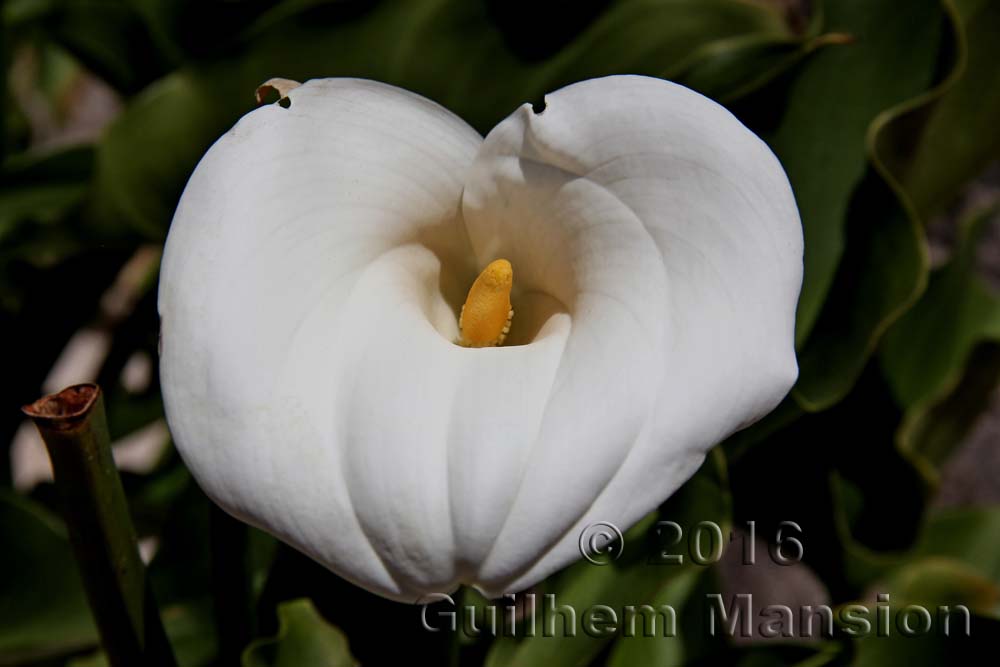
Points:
(69, 405)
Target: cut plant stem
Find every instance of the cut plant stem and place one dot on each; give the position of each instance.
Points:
(74, 427)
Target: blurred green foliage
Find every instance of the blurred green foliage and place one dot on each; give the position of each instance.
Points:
(304, 638)
(882, 112)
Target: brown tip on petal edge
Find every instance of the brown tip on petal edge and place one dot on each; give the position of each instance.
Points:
(281, 86)
(70, 403)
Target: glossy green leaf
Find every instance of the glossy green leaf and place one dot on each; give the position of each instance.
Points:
(201, 29)
(942, 603)
(830, 106)
(931, 432)
(448, 50)
(955, 558)
(191, 630)
(959, 137)
(865, 259)
(881, 274)
(839, 475)
(935, 358)
(632, 580)
(729, 69)
(926, 350)
(649, 649)
(148, 153)
(304, 638)
(635, 36)
(581, 587)
(971, 536)
(936, 581)
(43, 607)
(864, 561)
(954, 565)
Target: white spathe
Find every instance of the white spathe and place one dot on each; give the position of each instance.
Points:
(309, 296)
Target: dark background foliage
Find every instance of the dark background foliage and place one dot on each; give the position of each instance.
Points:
(884, 114)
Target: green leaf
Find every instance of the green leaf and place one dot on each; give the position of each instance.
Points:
(193, 30)
(855, 525)
(898, 651)
(971, 536)
(191, 631)
(633, 36)
(150, 150)
(880, 275)
(956, 559)
(865, 259)
(933, 581)
(43, 607)
(732, 68)
(930, 432)
(37, 194)
(39, 189)
(649, 649)
(109, 38)
(304, 638)
(955, 563)
(448, 50)
(863, 562)
(952, 594)
(943, 376)
(919, 356)
(830, 106)
(959, 137)
(581, 587)
(17, 13)
(631, 580)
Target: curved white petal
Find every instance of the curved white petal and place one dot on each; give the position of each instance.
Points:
(309, 294)
(710, 269)
(283, 219)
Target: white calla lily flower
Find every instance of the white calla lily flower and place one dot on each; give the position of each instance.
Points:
(312, 286)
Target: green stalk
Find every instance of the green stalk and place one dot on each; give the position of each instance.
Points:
(74, 427)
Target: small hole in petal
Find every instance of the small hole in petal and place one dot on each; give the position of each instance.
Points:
(268, 95)
(285, 102)
(275, 90)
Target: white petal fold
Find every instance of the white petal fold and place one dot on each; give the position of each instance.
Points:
(686, 222)
(309, 297)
